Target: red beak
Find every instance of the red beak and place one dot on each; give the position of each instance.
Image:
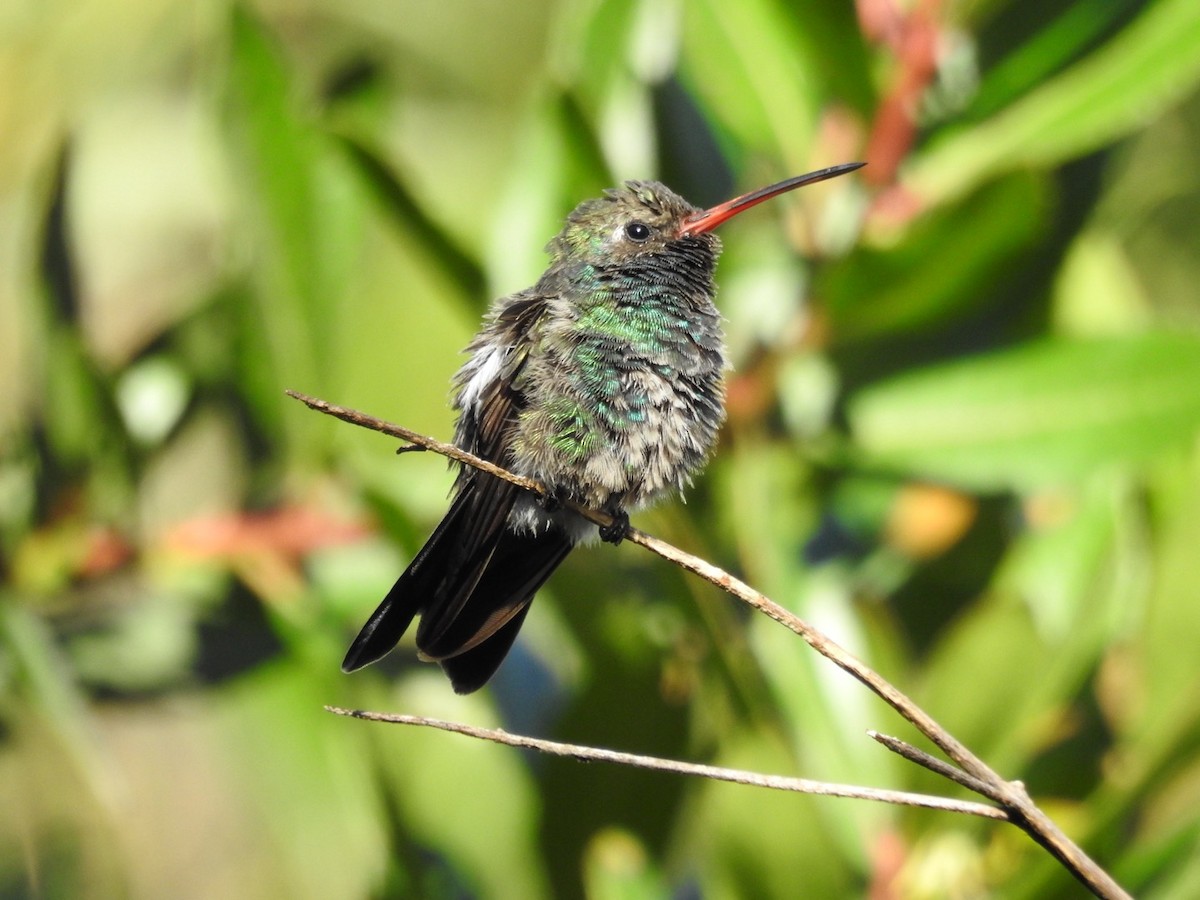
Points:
(709, 219)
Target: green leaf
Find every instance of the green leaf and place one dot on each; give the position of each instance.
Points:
(292, 220)
(757, 845)
(1146, 68)
(1042, 413)
(1098, 290)
(752, 75)
(400, 205)
(950, 263)
(310, 809)
(619, 867)
(1048, 50)
(477, 804)
(988, 668)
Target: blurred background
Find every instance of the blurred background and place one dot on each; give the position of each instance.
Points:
(962, 439)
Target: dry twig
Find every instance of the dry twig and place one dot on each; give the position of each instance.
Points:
(717, 773)
(1010, 796)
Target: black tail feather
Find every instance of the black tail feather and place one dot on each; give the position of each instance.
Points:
(382, 631)
(472, 588)
(519, 565)
(475, 644)
(471, 669)
(412, 590)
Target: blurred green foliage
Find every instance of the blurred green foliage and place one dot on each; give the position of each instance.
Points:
(963, 439)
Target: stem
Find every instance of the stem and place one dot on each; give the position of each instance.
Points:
(1011, 796)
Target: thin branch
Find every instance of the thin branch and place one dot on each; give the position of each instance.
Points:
(354, 417)
(585, 753)
(1011, 795)
(935, 765)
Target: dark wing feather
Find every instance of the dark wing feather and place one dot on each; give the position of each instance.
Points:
(473, 580)
(482, 636)
(392, 617)
(468, 552)
(487, 431)
(469, 671)
(519, 566)
(442, 575)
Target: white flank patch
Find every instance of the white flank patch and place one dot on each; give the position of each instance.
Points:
(487, 370)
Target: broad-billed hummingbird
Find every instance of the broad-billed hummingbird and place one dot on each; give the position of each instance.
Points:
(604, 381)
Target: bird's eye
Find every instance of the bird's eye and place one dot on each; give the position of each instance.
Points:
(638, 232)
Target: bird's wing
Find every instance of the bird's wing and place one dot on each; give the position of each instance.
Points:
(443, 574)
(486, 429)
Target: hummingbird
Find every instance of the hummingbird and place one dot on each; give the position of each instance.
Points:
(604, 382)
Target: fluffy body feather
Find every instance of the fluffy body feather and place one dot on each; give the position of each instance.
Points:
(604, 382)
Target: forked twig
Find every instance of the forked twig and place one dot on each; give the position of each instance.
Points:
(935, 765)
(717, 773)
(1010, 796)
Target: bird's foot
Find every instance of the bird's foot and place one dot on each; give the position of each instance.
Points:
(617, 530)
(410, 448)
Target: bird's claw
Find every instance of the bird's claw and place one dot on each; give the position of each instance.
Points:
(617, 530)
